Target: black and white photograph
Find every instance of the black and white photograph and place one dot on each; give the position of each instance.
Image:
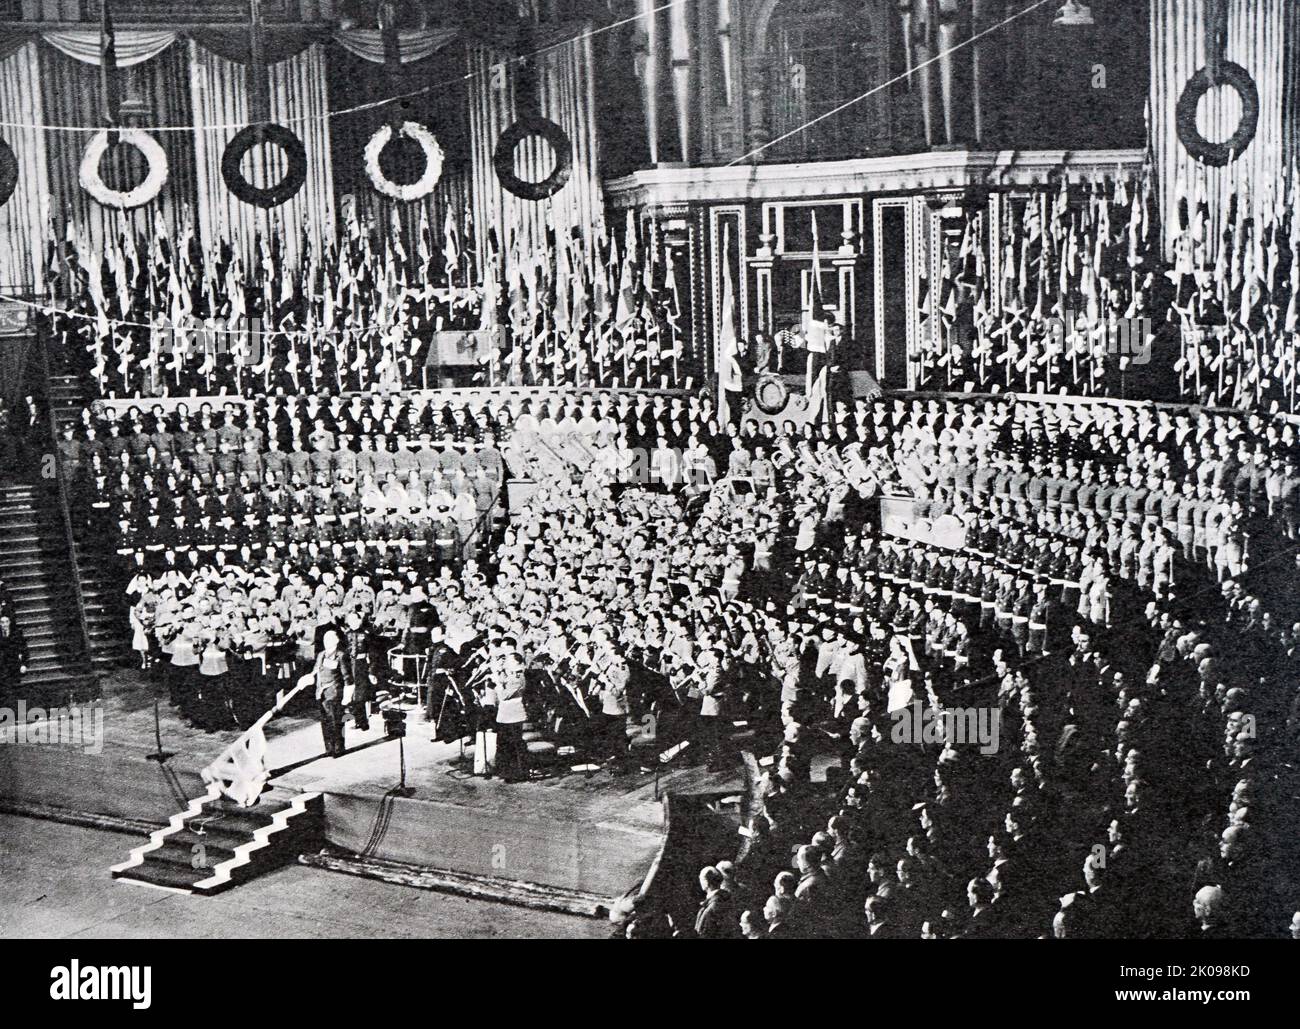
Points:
(651, 469)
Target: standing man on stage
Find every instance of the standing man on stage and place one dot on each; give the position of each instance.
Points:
(817, 332)
(512, 755)
(333, 681)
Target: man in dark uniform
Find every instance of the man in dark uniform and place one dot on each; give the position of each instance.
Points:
(359, 647)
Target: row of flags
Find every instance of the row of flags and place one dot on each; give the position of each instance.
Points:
(1050, 296)
(1033, 298)
(354, 312)
(587, 308)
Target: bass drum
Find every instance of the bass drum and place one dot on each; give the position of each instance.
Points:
(771, 394)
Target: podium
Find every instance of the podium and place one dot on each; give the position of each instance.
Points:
(453, 353)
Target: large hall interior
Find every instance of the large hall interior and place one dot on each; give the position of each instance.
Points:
(817, 469)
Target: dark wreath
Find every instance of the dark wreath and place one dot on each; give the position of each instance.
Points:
(8, 172)
(271, 196)
(504, 158)
(1218, 155)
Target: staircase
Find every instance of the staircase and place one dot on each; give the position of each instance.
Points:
(107, 625)
(67, 399)
(106, 619)
(215, 843)
(35, 564)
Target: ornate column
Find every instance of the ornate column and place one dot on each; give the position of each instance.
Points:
(925, 32)
(724, 49)
(982, 63)
(763, 264)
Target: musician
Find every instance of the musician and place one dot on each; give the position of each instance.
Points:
(512, 754)
(420, 619)
(359, 650)
(710, 690)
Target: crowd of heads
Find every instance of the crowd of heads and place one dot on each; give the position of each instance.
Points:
(669, 564)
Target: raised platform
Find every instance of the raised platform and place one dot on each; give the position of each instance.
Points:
(592, 833)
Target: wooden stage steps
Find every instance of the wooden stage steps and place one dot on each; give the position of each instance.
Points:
(215, 843)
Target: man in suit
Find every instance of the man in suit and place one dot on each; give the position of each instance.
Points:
(778, 911)
(879, 911)
(717, 918)
(333, 679)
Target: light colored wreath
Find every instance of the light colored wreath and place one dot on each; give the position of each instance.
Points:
(433, 157)
(148, 190)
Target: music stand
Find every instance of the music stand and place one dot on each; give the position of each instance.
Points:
(159, 755)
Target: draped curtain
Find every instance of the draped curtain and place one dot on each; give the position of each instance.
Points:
(129, 48)
(567, 95)
(1261, 38)
(368, 44)
(300, 102)
(74, 97)
(24, 219)
(358, 81)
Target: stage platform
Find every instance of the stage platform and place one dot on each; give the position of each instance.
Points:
(591, 832)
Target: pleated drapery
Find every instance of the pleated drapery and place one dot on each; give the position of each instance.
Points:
(368, 44)
(300, 102)
(130, 47)
(567, 87)
(73, 96)
(1258, 35)
(24, 219)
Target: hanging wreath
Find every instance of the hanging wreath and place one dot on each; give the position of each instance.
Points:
(1218, 155)
(504, 158)
(264, 196)
(123, 200)
(8, 172)
(433, 156)
(771, 394)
